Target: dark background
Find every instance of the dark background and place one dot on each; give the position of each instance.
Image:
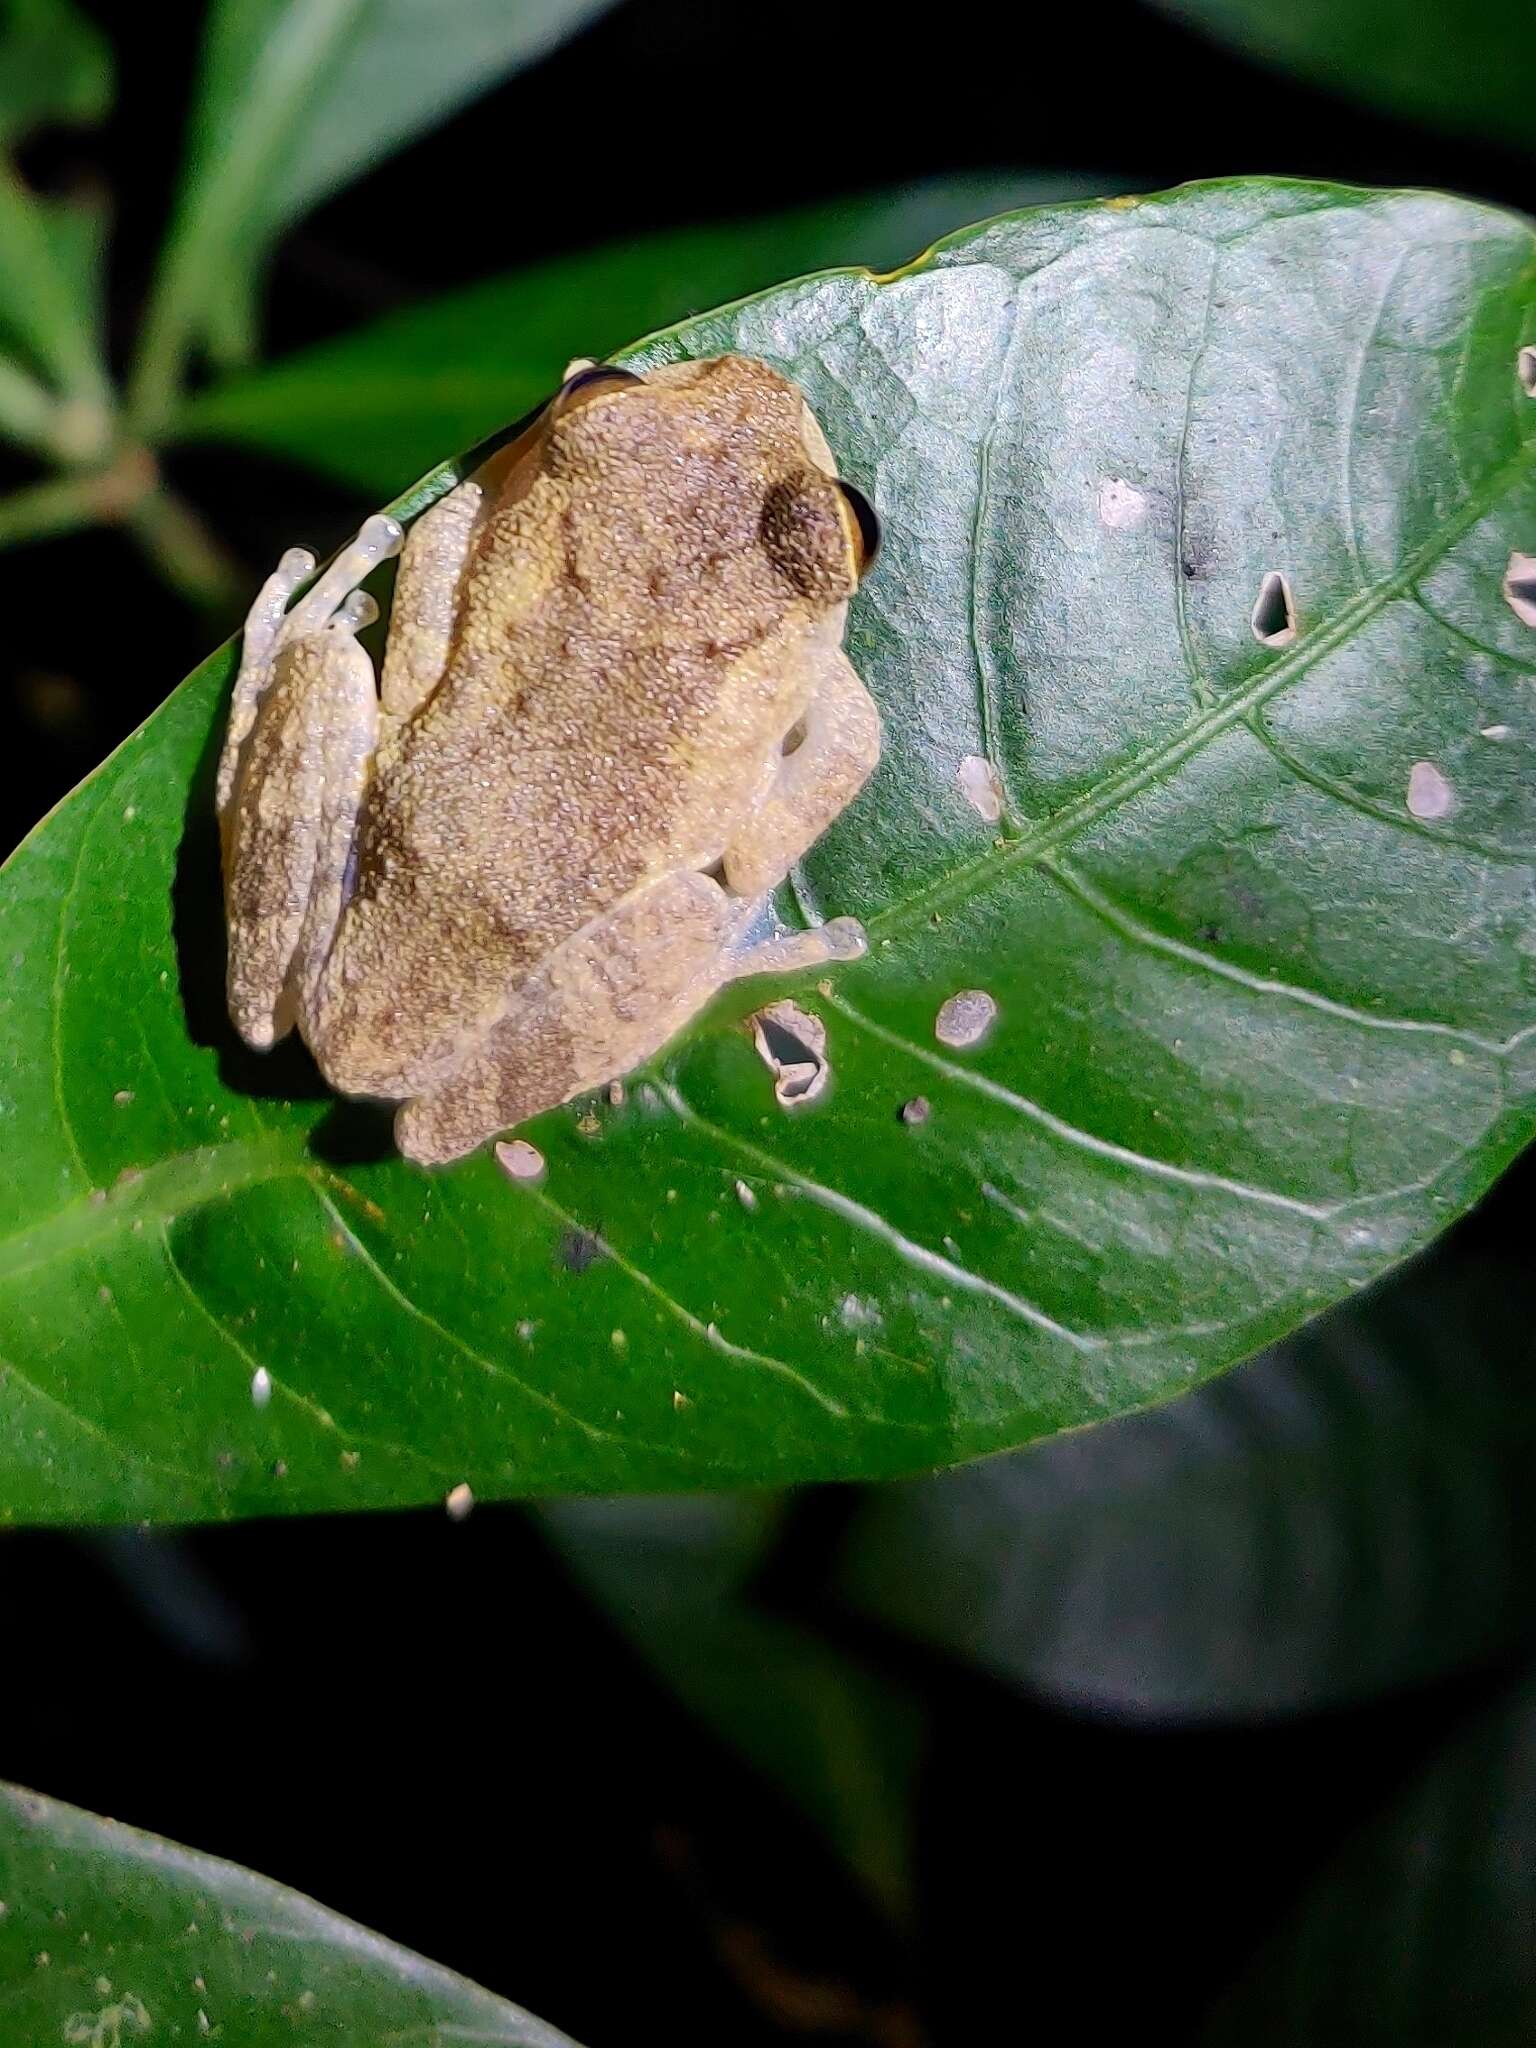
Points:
(423, 1724)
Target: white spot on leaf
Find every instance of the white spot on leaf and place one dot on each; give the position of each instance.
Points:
(1274, 611)
(459, 1501)
(1525, 367)
(966, 1018)
(745, 1196)
(1429, 794)
(1494, 732)
(1520, 588)
(519, 1160)
(981, 787)
(917, 1111)
(1121, 505)
(261, 1387)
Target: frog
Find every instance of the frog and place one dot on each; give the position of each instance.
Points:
(614, 709)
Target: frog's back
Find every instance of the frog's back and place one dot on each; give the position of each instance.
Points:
(632, 642)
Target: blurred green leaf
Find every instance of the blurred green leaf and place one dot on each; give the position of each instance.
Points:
(1468, 65)
(381, 404)
(1263, 1028)
(50, 297)
(1347, 1515)
(295, 98)
(840, 1738)
(109, 1937)
(55, 66)
(1419, 1933)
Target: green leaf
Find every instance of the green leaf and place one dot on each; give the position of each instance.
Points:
(297, 97)
(382, 403)
(1344, 1517)
(1262, 1030)
(1418, 1932)
(109, 1937)
(50, 287)
(1466, 65)
(54, 67)
(842, 1739)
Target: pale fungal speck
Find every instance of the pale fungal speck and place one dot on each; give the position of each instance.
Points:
(261, 1386)
(123, 1097)
(519, 1160)
(857, 1313)
(104, 1295)
(1494, 732)
(350, 1460)
(103, 1987)
(616, 1093)
(1274, 611)
(1525, 367)
(130, 812)
(792, 1044)
(917, 1111)
(459, 1501)
(619, 1341)
(745, 1196)
(1121, 505)
(1429, 794)
(525, 1330)
(680, 1399)
(966, 1018)
(1520, 588)
(981, 787)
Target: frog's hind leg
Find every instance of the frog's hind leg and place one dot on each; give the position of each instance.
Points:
(605, 1001)
(292, 782)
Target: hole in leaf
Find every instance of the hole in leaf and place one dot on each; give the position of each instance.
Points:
(792, 1044)
(1520, 588)
(1274, 612)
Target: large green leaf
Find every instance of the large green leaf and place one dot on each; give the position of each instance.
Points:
(109, 1937)
(1462, 64)
(382, 403)
(295, 98)
(1262, 1028)
(1348, 1515)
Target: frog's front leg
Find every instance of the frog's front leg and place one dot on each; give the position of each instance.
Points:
(604, 1002)
(838, 751)
(303, 728)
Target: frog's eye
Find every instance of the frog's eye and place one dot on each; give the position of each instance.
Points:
(866, 521)
(588, 382)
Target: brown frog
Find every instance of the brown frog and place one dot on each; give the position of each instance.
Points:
(614, 710)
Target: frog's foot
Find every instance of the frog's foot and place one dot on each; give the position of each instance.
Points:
(603, 1003)
(270, 626)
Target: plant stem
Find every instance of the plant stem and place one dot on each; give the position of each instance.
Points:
(97, 497)
(185, 552)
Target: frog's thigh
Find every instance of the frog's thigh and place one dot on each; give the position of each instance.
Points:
(833, 761)
(290, 824)
(426, 601)
(602, 1003)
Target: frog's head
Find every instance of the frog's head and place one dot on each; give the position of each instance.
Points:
(754, 429)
